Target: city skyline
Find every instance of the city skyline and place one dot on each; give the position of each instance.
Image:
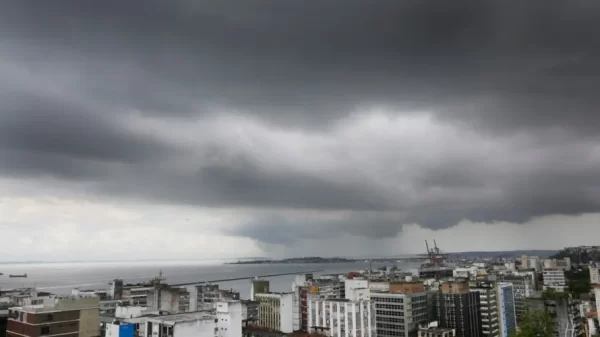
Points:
(181, 129)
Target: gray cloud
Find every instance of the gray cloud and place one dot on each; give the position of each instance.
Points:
(515, 83)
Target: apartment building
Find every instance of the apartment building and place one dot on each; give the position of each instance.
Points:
(65, 317)
(276, 311)
(523, 287)
(459, 308)
(399, 313)
(172, 300)
(204, 296)
(554, 278)
(488, 303)
(342, 318)
(229, 318)
(594, 273)
(506, 309)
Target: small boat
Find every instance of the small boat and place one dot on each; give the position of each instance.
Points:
(12, 276)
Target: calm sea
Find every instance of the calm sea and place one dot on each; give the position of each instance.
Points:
(61, 278)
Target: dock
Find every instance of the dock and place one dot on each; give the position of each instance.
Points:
(244, 278)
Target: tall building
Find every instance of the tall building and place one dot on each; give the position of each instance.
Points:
(399, 313)
(342, 318)
(523, 287)
(67, 317)
(229, 318)
(259, 287)
(459, 308)
(115, 291)
(506, 309)
(276, 311)
(488, 303)
(594, 273)
(554, 278)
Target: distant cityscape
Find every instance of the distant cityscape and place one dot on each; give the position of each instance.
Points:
(473, 294)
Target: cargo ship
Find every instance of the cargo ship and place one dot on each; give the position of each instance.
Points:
(21, 275)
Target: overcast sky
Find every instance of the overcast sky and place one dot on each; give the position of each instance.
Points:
(213, 129)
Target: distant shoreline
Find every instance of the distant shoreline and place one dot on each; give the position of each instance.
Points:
(298, 260)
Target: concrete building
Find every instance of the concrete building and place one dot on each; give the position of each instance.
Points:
(523, 287)
(399, 313)
(249, 311)
(342, 318)
(67, 317)
(356, 289)
(276, 311)
(169, 299)
(204, 296)
(594, 274)
(432, 329)
(259, 287)
(506, 309)
(300, 289)
(115, 290)
(488, 302)
(458, 308)
(554, 278)
(182, 325)
(137, 294)
(229, 318)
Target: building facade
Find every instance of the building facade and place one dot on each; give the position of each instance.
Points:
(182, 325)
(66, 317)
(554, 278)
(458, 308)
(399, 314)
(506, 309)
(488, 302)
(259, 287)
(342, 318)
(276, 311)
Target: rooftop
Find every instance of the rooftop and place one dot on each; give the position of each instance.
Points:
(186, 317)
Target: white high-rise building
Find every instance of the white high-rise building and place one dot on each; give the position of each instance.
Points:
(229, 319)
(342, 318)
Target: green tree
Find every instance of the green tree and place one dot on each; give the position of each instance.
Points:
(536, 323)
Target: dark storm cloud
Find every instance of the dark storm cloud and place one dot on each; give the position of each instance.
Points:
(309, 62)
(501, 68)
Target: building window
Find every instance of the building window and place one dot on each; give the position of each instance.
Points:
(45, 330)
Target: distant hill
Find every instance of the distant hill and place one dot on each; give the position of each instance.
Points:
(504, 253)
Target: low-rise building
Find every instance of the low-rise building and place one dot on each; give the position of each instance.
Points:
(182, 325)
(67, 317)
(342, 318)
